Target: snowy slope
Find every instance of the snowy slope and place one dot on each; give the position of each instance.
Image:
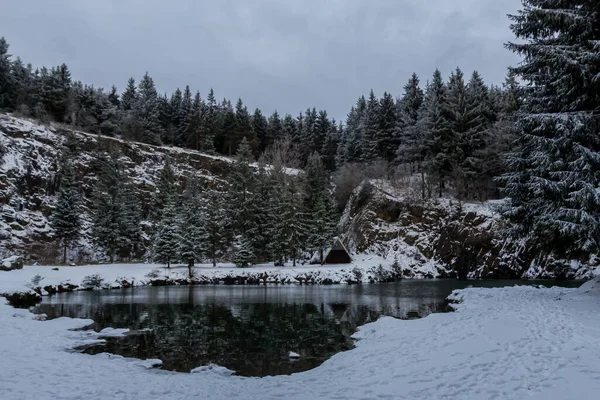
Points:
(29, 164)
(504, 343)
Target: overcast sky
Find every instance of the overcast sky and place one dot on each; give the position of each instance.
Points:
(275, 54)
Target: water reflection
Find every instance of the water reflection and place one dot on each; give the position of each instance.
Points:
(249, 329)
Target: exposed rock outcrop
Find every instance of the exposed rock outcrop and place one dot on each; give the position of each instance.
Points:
(444, 238)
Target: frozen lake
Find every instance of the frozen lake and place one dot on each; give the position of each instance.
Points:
(251, 329)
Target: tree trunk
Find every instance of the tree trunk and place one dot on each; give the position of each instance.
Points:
(65, 252)
(190, 267)
(321, 255)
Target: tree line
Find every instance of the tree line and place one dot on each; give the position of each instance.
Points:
(263, 212)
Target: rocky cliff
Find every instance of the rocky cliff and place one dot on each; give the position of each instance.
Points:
(444, 238)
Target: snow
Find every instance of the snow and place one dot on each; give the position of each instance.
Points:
(502, 343)
(111, 332)
(293, 355)
(113, 275)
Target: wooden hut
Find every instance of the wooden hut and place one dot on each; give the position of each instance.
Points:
(338, 254)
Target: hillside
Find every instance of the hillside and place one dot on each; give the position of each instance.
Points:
(430, 239)
(28, 166)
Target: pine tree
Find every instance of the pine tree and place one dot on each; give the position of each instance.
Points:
(192, 230)
(369, 128)
(130, 96)
(196, 133)
(131, 217)
(435, 122)
(243, 253)
(107, 209)
(184, 115)
(166, 187)
(241, 197)
(387, 121)
(214, 217)
(166, 242)
(318, 205)
(274, 131)
(260, 129)
(147, 111)
(65, 219)
(6, 78)
(554, 176)
(261, 217)
(411, 149)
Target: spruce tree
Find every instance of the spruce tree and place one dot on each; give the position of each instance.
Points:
(184, 115)
(65, 219)
(260, 129)
(167, 240)
(318, 204)
(147, 111)
(192, 230)
(243, 252)
(240, 196)
(130, 96)
(166, 187)
(434, 120)
(411, 149)
(107, 207)
(6, 78)
(214, 216)
(131, 218)
(554, 176)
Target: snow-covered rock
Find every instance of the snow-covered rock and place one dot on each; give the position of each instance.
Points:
(444, 238)
(293, 355)
(213, 369)
(112, 332)
(11, 263)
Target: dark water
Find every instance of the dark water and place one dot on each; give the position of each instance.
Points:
(251, 329)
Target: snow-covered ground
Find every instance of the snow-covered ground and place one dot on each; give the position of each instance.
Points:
(113, 275)
(507, 343)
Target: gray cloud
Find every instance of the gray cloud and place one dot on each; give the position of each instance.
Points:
(274, 54)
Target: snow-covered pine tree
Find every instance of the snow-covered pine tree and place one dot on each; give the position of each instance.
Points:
(370, 122)
(192, 229)
(435, 122)
(107, 207)
(387, 121)
(259, 229)
(184, 114)
(214, 217)
(243, 252)
(554, 179)
(167, 239)
(147, 111)
(320, 214)
(65, 219)
(6, 78)
(130, 96)
(411, 149)
(166, 187)
(240, 196)
(131, 217)
(260, 127)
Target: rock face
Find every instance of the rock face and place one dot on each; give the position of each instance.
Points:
(29, 159)
(443, 238)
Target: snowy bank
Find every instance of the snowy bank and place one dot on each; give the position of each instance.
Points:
(504, 343)
(363, 269)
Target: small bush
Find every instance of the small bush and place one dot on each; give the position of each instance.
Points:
(92, 282)
(35, 281)
(155, 273)
(358, 274)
